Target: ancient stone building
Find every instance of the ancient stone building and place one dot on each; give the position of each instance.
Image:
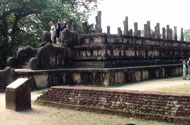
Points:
(104, 58)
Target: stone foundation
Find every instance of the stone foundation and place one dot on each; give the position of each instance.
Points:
(98, 76)
(146, 105)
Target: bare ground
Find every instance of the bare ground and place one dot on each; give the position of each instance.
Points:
(43, 115)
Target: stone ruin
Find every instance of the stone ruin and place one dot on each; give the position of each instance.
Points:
(18, 95)
(104, 58)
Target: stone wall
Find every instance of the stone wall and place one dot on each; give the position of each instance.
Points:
(6, 77)
(106, 50)
(147, 105)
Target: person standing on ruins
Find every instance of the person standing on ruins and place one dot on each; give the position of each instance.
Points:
(52, 31)
(188, 68)
(184, 70)
(58, 28)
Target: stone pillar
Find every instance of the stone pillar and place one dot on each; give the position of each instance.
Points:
(145, 30)
(135, 29)
(182, 36)
(158, 30)
(139, 33)
(125, 26)
(171, 34)
(153, 35)
(98, 22)
(119, 31)
(85, 27)
(108, 29)
(163, 33)
(168, 32)
(130, 32)
(175, 33)
(148, 29)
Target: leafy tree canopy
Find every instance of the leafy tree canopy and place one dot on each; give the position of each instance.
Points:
(187, 35)
(22, 21)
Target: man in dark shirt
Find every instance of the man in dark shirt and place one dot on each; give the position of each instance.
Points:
(58, 29)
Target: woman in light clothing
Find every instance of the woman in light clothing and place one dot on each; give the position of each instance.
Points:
(52, 31)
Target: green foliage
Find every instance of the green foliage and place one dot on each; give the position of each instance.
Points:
(22, 21)
(187, 35)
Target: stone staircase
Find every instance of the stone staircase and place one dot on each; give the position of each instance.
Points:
(146, 105)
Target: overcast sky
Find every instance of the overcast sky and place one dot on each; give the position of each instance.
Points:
(172, 12)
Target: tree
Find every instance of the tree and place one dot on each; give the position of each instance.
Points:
(22, 21)
(187, 35)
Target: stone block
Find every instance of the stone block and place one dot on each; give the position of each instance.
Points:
(18, 96)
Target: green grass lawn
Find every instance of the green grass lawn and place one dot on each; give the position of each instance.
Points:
(172, 79)
(185, 89)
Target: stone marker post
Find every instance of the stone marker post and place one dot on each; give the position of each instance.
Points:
(18, 95)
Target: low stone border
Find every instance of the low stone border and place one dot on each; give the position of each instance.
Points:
(155, 106)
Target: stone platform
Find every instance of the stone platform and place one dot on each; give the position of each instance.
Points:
(98, 76)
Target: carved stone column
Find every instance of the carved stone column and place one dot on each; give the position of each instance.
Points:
(182, 36)
(98, 23)
(108, 29)
(135, 29)
(125, 26)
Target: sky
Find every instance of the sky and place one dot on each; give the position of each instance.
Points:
(166, 12)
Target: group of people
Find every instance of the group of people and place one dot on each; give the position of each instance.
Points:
(56, 29)
(186, 68)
